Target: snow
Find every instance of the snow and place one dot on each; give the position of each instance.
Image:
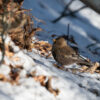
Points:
(79, 86)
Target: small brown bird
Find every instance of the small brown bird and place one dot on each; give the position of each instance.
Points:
(65, 55)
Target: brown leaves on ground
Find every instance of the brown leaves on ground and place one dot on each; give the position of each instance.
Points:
(9, 52)
(22, 34)
(17, 22)
(42, 80)
(49, 87)
(47, 84)
(9, 17)
(3, 78)
(14, 75)
(91, 69)
(22, 37)
(95, 68)
(43, 47)
(20, 27)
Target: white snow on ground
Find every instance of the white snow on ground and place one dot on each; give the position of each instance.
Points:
(80, 86)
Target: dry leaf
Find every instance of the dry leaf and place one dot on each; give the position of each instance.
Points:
(93, 68)
(40, 79)
(16, 59)
(47, 84)
(49, 87)
(14, 75)
(32, 74)
(43, 47)
(3, 78)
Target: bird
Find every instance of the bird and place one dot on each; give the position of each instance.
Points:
(65, 54)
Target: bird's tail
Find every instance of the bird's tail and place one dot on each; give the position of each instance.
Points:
(84, 61)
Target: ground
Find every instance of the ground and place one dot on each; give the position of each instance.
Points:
(64, 85)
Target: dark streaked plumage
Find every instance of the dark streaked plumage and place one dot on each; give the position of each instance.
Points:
(65, 55)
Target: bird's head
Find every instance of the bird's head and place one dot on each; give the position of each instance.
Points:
(61, 41)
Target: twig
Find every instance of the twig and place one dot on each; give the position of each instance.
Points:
(71, 13)
(63, 13)
(3, 41)
(6, 26)
(68, 30)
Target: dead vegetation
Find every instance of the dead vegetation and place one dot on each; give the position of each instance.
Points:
(20, 27)
(42, 80)
(17, 23)
(43, 47)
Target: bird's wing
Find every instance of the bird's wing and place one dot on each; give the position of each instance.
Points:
(68, 53)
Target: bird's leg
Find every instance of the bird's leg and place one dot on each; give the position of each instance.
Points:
(59, 66)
